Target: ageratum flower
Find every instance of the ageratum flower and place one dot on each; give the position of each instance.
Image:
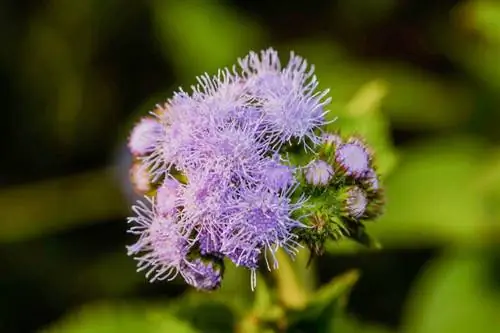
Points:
(260, 222)
(224, 140)
(292, 107)
(277, 174)
(331, 139)
(318, 173)
(203, 274)
(355, 202)
(161, 250)
(353, 159)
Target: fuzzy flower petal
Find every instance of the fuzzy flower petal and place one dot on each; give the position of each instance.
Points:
(261, 221)
(160, 250)
(292, 108)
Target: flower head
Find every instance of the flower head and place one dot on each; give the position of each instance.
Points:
(260, 220)
(204, 274)
(278, 175)
(291, 106)
(353, 159)
(319, 173)
(371, 179)
(224, 139)
(161, 249)
(355, 202)
(331, 139)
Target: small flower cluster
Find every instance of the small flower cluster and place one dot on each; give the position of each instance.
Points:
(217, 186)
(344, 187)
(211, 165)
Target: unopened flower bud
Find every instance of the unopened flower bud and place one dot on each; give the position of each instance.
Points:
(371, 180)
(354, 202)
(353, 159)
(318, 173)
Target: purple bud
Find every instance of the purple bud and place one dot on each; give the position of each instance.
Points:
(203, 275)
(331, 139)
(353, 159)
(371, 179)
(356, 202)
(144, 136)
(319, 173)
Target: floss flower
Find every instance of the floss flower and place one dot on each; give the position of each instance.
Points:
(161, 250)
(224, 189)
(318, 173)
(355, 202)
(353, 159)
(204, 274)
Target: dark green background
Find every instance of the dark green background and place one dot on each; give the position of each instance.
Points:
(76, 75)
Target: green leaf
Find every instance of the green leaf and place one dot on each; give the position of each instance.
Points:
(433, 197)
(323, 305)
(346, 324)
(489, 184)
(453, 296)
(208, 312)
(120, 318)
(334, 289)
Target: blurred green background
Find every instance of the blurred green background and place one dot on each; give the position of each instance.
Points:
(420, 79)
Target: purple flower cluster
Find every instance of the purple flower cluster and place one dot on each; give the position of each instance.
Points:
(225, 190)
